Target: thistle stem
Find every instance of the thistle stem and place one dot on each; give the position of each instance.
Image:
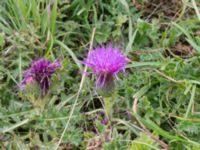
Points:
(108, 107)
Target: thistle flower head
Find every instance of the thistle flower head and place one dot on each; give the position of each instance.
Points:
(40, 72)
(106, 61)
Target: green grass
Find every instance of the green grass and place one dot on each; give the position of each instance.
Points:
(163, 74)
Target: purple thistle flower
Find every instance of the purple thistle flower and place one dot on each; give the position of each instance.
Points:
(106, 62)
(40, 72)
(105, 121)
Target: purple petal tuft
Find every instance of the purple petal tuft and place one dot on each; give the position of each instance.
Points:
(106, 61)
(40, 71)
